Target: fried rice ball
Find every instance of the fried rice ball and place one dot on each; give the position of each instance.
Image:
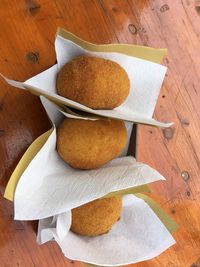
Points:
(86, 144)
(97, 217)
(94, 82)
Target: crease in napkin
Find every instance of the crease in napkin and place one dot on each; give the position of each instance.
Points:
(146, 80)
(139, 235)
(49, 186)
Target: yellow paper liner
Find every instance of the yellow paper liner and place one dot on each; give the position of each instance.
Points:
(148, 53)
(30, 153)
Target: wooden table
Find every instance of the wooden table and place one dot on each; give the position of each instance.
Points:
(27, 32)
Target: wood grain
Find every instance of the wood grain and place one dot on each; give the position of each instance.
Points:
(27, 47)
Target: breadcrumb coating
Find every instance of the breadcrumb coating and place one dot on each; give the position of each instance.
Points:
(97, 217)
(94, 82)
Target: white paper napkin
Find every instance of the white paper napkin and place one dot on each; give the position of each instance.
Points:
(146, 79)
(139, 235)
(55, 114)
(49, 186)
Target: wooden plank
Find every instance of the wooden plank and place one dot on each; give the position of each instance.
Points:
(27, 47)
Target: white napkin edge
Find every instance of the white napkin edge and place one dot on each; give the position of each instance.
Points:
(137, 119)
(54, 236)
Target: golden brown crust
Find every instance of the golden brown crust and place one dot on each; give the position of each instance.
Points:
(97, 217)
(94, 82)
(86, 144)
